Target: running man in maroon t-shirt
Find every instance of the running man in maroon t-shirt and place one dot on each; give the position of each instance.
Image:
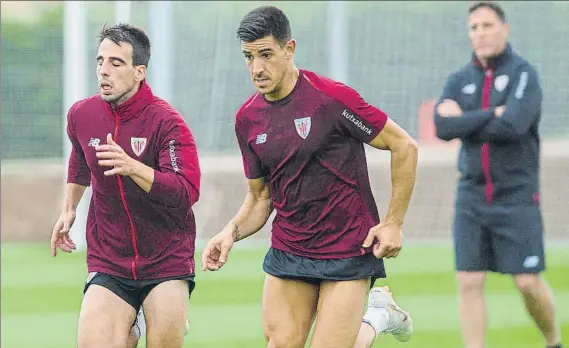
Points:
(302, 140)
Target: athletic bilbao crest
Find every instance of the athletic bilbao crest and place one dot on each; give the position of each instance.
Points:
(138, 145)
(501, 82)
(303, 126)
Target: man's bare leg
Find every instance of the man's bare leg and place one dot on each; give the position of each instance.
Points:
(139, 329)
(366, 336)
(289, 307)
(472, 308)
(132, 339)
(539, 302)
(165, 309)
(341, 306)
(105, 319)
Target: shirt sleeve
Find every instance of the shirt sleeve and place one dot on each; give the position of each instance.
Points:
(78, 171)
(252, 164)
(177, 180)
(448, 128)
(356, 116)
(523, 106)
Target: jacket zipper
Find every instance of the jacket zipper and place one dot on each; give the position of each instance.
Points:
(485, 146)
(123, 199)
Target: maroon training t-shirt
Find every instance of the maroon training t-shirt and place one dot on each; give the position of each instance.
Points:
(309, 146)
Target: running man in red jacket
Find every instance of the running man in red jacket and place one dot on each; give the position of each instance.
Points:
(139, 156)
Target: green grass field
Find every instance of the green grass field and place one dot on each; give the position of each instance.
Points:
(41, 298)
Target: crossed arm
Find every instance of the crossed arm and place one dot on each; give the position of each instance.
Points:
(503, 123)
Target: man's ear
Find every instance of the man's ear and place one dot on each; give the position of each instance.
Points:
(139, 73)
(290, 47)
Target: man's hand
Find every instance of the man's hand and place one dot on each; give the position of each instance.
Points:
(499, 111)
(217, 249)
(449, 108)
(112, 155)
(389, 236)
(60, 235)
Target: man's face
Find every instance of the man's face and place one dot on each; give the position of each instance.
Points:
(116, 73)
(487, 33)
(268, 63)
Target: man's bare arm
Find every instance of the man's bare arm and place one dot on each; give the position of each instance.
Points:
(254, 211)
(404, 156)
(73, 194)
(60, 234)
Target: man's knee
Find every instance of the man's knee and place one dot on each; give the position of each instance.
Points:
(89, 338)
(285, 335)
(528, 284)
(471, 282)
(165, 340)
(165, 333)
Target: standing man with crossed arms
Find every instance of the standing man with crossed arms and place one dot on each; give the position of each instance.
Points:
(493, 105)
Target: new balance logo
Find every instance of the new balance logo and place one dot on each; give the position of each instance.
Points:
(94, 142)
(261, 138)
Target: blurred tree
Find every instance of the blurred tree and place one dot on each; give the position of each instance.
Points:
(31, 86)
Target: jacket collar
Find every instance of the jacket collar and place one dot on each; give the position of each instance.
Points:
(133, 106)
(495, 61)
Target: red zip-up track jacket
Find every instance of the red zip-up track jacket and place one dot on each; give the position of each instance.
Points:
(131, 233)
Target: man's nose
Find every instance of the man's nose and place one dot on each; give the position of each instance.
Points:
(258, 66)
(103, 70)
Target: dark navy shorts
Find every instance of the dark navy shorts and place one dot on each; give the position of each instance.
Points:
(499, 238)
(289, 266)
(133, 292)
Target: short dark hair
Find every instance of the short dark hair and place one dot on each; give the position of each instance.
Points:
(132, 35)
(264, 21)
(490, 5)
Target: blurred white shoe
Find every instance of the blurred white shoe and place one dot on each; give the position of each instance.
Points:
(140, 325)
(399, 325)
(187, 327)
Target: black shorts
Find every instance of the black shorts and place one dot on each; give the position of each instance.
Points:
(499, 238)
(133, 292)
(289, 266)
